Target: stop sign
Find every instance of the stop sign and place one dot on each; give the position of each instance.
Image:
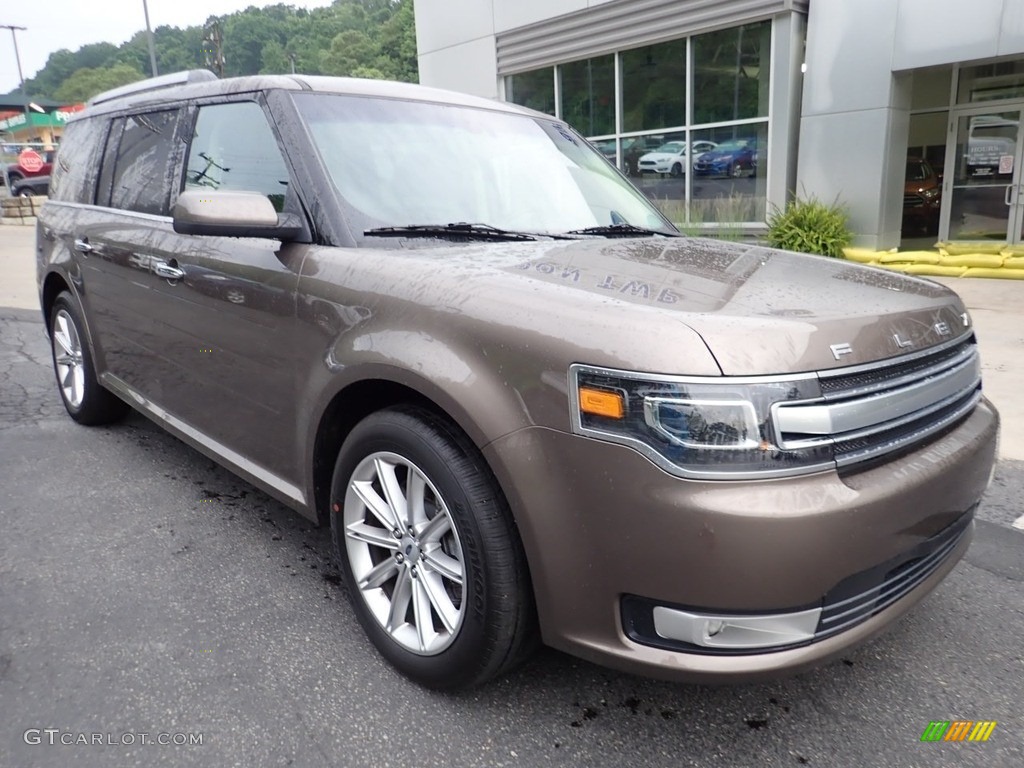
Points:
(30, 161)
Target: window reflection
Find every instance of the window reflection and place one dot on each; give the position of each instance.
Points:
(729, 181)
(656, 145)
(535, 89)
(730, 73)
(654, 86)
(588, 95)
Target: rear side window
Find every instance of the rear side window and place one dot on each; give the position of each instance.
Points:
(233, 148)
(144, 165)
(74, 172)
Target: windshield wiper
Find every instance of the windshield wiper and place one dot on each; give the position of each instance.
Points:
(460, 229)
(619, 230)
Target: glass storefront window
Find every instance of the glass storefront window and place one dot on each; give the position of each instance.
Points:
(991, 82)
(588, 95)
(729, 180)
(651, 126)
(731, 73)
(654, 86)
(535, 89)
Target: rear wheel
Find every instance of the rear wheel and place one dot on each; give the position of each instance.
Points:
(430, 555)
(84, 399)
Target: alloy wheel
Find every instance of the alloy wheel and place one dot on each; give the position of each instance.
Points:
(404, 553)
(67, 355)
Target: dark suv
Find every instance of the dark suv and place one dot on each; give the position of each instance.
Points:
(922, 197)
(525, 405)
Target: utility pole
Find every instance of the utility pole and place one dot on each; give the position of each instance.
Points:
(213, 46)
(149, 36)
(21, 77)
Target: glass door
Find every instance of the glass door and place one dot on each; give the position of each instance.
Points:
(985, 200)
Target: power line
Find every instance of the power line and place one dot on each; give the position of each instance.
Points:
(21, 77)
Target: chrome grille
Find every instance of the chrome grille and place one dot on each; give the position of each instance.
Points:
(869, 411)
(913, 201)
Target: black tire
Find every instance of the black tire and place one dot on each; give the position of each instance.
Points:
(88, 403)
(736, 170)
(496, 624)
(676, 171)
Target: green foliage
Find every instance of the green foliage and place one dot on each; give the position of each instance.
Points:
(810, 226)
(361, 38)
(87, 82)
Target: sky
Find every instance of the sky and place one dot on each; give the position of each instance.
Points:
(56, 24)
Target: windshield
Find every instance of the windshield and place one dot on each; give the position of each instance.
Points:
(917, 170)
(400, 163)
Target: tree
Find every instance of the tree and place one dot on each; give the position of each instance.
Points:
(349, 51)
(362, 38)
(87, 82)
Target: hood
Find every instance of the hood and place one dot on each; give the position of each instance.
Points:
(760, 311)
(662, 156)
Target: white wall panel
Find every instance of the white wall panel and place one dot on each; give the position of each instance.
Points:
(444, 23)
(931, 32)
(469, 68)
(849, 55)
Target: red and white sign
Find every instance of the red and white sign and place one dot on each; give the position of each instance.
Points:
(30, 161)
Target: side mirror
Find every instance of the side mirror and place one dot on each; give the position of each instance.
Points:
(232, 214)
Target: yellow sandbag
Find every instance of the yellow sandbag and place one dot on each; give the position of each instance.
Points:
(863, 255)
(934, 269)
(986, 260)
(1005, 274)
(910, 257)
(1013, 262)
(1013, 250)
(962, 248)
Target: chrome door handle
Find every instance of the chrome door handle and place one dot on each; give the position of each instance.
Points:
(82, 246)
(163, 269)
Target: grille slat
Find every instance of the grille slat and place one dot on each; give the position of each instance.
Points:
(913, 399)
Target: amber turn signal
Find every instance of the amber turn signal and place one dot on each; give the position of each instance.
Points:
(601, 403)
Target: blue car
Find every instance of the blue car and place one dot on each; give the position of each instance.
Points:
(736, 158)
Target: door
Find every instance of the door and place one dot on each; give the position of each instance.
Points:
(984, 198)
(227, 305)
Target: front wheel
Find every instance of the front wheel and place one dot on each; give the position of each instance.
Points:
(84, 399)
(676, 171)
(430, 555)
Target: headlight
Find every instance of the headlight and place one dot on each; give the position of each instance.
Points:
(928, 194)
(697, 427)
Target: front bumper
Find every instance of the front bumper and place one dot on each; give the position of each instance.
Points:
(600, 522)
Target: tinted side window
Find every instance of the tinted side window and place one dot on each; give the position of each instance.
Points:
(145, 163)
(74, 173)
(234, 148)
(109, 159)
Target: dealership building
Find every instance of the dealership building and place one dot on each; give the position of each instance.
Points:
(908, 112)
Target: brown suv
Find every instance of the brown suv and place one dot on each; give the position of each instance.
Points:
(526, 406)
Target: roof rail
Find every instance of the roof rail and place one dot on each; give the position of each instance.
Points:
(154, 84)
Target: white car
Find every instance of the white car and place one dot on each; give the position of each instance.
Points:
(671, 157)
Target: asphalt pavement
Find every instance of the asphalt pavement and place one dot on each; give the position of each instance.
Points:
(147, 594)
